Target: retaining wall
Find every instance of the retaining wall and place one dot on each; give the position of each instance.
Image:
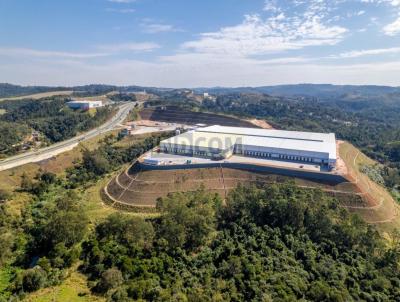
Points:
(316, 176)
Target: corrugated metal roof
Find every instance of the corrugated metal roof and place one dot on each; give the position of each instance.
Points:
(204, 139)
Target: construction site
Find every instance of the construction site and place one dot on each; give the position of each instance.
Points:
(138, 187)
(137, 190)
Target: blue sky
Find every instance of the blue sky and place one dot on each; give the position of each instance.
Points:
(187, 43)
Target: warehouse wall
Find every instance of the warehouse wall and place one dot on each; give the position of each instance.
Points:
(318, 176)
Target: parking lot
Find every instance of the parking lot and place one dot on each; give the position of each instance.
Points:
(172, 159)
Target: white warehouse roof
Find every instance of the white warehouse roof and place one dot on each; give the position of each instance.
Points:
(85, 102)
(318, 143)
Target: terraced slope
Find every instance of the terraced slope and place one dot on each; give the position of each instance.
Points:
(133, 188)
(381, 207)
(177, 115)
(140, 189)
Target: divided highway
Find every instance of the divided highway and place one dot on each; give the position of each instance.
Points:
(53, 150)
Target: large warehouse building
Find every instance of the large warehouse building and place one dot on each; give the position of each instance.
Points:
(84, 105)
(218, 143)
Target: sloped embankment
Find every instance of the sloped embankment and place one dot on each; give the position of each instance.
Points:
(140, 189)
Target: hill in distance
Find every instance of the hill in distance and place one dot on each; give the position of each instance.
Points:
(320, 91)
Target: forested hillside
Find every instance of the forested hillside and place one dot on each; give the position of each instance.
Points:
(39, 244)
(322, 92)
(277, 243)
(270, 243)
(9, 90)
(49, 116)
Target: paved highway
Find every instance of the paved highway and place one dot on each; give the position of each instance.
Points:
(53, 150)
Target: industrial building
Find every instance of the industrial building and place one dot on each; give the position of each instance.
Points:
(84, 105)
(219, 143)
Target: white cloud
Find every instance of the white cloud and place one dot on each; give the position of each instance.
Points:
(272, 6)
(230, 56)
(134, 47)
(153, 28)
(392, 29)
(106, 50)
(255, 36)
(390, 2)
(121, 10)
(211, 71)
(28, 52)
(368, 52)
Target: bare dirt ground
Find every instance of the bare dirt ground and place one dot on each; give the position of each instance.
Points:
(143, 188)
(261, 123)
(341, 167)
(382, 209)
(38, 95)
(148, 123)
(180, 116)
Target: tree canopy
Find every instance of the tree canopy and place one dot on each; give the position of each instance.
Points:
(273, 243)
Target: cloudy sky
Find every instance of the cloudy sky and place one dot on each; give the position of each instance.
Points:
(192, 43)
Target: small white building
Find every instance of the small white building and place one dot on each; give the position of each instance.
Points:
(84, 105)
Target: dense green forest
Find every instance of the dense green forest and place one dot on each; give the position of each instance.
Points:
(37, 247)
(49, 116)
(274, 243)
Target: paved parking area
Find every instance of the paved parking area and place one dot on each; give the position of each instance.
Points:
(171, 159)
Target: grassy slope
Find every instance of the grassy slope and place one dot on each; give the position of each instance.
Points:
(387, 213)
(73, 289)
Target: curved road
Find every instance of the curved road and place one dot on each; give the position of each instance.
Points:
(55, 149)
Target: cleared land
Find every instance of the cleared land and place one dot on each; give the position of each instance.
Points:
(133, 188)
(38, 95)
(381, 208)
(261, 123)
(179, 116)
